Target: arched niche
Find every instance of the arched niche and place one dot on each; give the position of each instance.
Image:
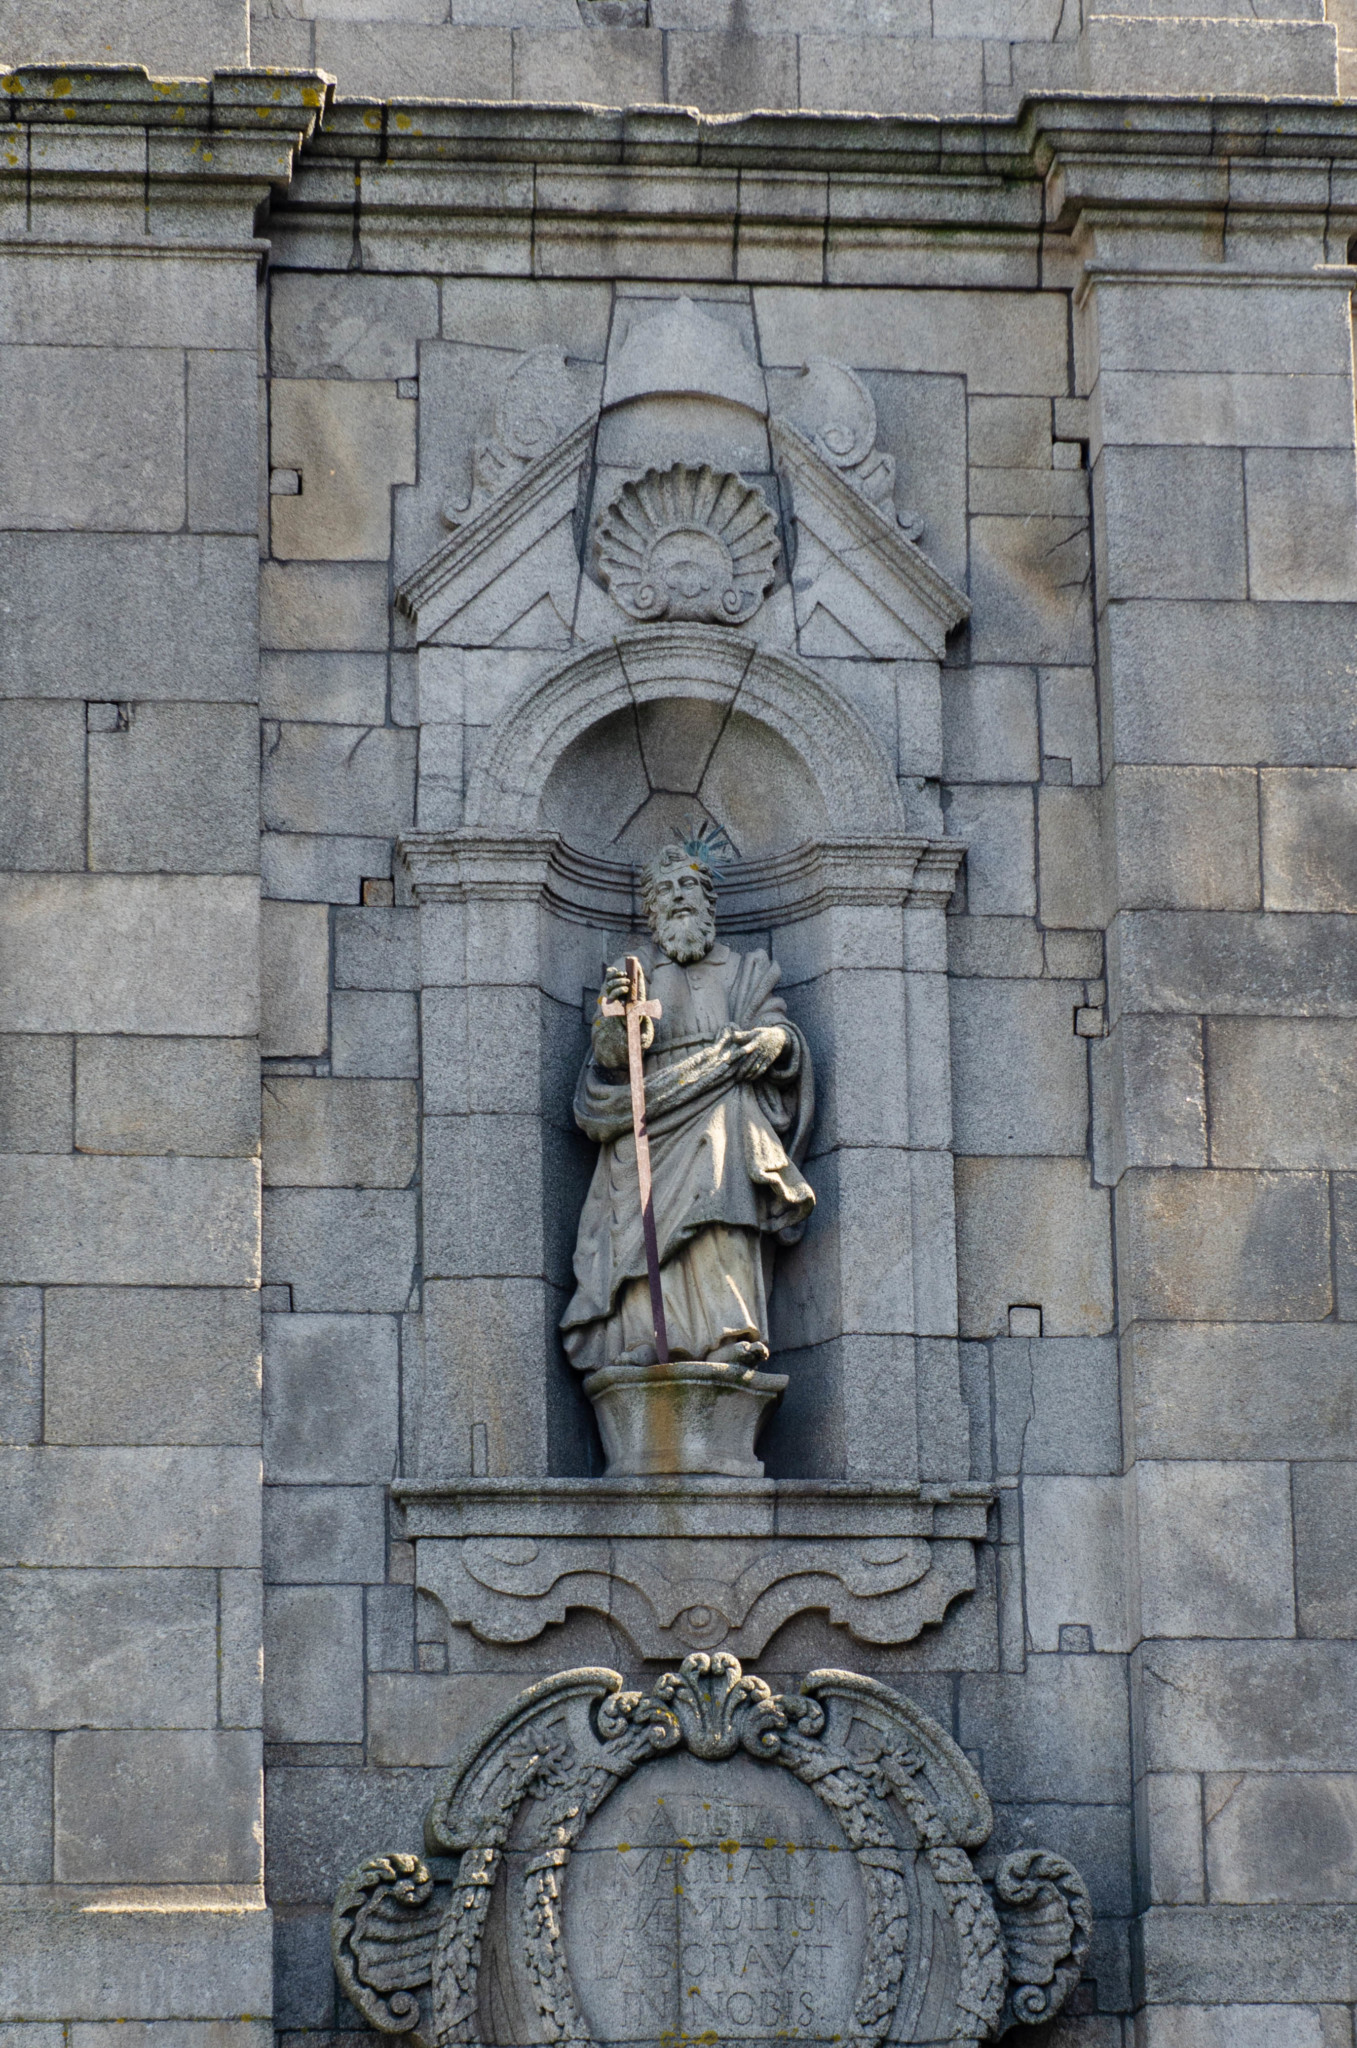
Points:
(587, 771)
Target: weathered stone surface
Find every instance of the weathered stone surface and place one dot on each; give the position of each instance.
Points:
(418, 1718)
(1283, 1091)
(35, 1093)
(21, 1377)
(1246, 1705)
(93, 440)
(1056, 1732)
(136, 1365)
(1281, 1836)
(341, 1248)
(330, 1397)
(1245, 2026)
(1032, 1230)
(1302, 523)
(314, 1535)
(377, 949)
(149, 1962)
(198, 1096)
(313, 1664)
(74, 1507)
(350, 326)
(375, 1034)
(26, 1802)
(314, 1815)
(338, 778)
(1308, 832)
(175, 791)
(334, 689)
(1186, 838)
(108, 1648)
(350, 442)
(42, 754)
(1243, 1390)
(998, 826)
(1074, 867)
(1232, 963)
(1019, 1074)
(1075, 1561)
(339, 1133)
(1214, 1549)
(1155, 542)
(989, 720)
(315, 606)
(1171, 1830)
(1324, 1499)
(146, 954)
(130, 1222)
(1218, 1954)
(294, 967)
(136, 1806)
(1056, 1405)
(1214, 1246)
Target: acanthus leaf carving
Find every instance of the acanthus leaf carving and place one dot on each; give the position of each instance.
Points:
(836, 412)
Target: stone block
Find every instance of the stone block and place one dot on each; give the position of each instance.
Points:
(129, 1959)
(388, 60)
(1186, 838)
(1212, 1246)
(1214, 1549)
(331, 1397)
(999, 829)
(352, 325)
(304, 1987)
(724, 72)
(989, 721)
(246, 2033)
(21, 1388)
(1281, 1836)
(241, 1652)
(1149, 1096)
(118, 617)
(1073, 869)
(1243, 1390)
(329, 689)
(1231, 326)
(144, 1222)
(98, 299)
(137, 1365)
(1172, 522)
(1020, 1082)
(377, 949)
(1095, 1838)
(1057, 1731)
(1009, 433)
(1231, 409)
(152, 1807)
(25, 1823)
(421, 1718)
(1233, 963)
(108, 1649)
(35, 1093)
(93, 439)
(1242, 1706)
(222, 453)
(1031, 580)
(484, 1196)
(898, 74)
(339, 1133)
(1056, 1405)
(1002, 946)
(390, 1628)
(481, 1401)
(313, 1664)
(319, 606)
(1324, 1501)
(1246, 2026)
(349, 442)
(1069, 720)
(1171, 1834)
(1309, 837)
(1302, 524)
(1008, 342)
(320, 1535)
(149, 954)
(1283, 1091)
(1074, 1561)
(338, 778)
(613, 67)
(197, 1096)
(176, 791)
(575, 316)
(1218, 683)
(112, 1507)
(294, 974)
(375, 1035)
(42, 757)
(341, 1248)
(314, 1817)
(1032, 1230)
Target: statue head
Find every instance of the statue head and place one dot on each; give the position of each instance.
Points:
(678, 893)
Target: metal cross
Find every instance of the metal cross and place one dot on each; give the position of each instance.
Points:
(634, 1008)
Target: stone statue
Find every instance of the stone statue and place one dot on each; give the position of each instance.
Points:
(729, 1102)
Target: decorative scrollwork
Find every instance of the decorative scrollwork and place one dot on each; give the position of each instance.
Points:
(383, 1933)
(1047, 1921)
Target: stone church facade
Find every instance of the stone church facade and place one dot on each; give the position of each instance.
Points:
(447, 458)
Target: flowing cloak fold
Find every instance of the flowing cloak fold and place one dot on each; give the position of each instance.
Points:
(722, 1150)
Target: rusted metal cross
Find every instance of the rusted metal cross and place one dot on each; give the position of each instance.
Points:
(634, 1008)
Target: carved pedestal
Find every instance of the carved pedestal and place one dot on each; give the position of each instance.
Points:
(685, 1418)
(689, 1562)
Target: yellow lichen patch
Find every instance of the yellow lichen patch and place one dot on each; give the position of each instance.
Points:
(622, 1848)
(60, 87)
(728, 1848)
(12, 83)
(310, 97)
(372, 119)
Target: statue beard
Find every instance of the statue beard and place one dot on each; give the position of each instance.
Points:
(686, 936)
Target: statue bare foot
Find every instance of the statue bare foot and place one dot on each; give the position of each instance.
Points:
(639, 1354)
(748, 1351)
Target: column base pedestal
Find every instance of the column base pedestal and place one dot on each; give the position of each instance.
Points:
(685, 1417)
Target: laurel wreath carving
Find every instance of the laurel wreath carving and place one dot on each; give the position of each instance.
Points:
(392, 1941)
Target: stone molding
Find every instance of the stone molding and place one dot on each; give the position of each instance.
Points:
(466, 865)
(410, 1938)
(689, 1563)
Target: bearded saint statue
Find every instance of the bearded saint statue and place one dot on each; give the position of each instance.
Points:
(729, 1102)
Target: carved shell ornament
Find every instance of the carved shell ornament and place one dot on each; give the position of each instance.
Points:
(688, 544)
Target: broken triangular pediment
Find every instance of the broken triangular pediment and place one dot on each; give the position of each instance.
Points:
(856, 564)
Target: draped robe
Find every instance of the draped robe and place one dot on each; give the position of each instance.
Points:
(724, 1158)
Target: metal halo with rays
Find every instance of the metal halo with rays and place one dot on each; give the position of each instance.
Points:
(686, 543)
(711, 845)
